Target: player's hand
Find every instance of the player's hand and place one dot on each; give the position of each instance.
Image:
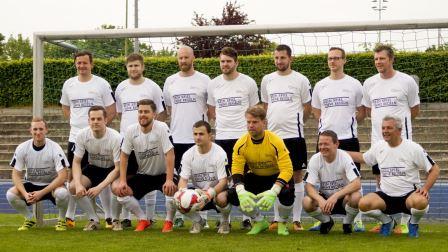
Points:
(423, 192)
(206, 196)
(329, 204)
(28, 198)
(80, 191)
(169, 188)
(246, 199)
(123, 189)
(197, 207)
(93, 192)
(267, 199)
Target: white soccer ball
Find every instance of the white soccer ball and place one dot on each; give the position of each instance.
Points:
(185, 199)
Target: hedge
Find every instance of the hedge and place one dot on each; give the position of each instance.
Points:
(16, 76)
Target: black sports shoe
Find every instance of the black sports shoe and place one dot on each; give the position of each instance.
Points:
(126, 223)
(347, 228)
(326, 227)
(246, 225)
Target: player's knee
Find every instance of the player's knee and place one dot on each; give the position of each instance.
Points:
(307, 204)
(12, 194)
(72, 188)
(61, 194)
(286, 197)
(417, 201)
(123, 200)
(221, 199)
(353, 199)
(365, 204)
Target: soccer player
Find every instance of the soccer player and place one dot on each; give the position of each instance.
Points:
(390, 92)
(102, 145)
(151, 142)
(128, 93)
(339, 184)
(45, 165)
(79, 93)
(229, 95)
(286, 95)
(205, 164)
(399, 161)
(269, 173)
(337, 105)
(185, 94)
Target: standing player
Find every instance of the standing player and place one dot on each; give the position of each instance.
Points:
(337, 104)
(102, 145)
(128, 93)
(151, 142)
(268, 176)
(229, 95)
(46, 171)
(286, 94)
(390, 92)
(339, 184)
(205, 164)
(79, 93)
(399, 161)
(185, 94)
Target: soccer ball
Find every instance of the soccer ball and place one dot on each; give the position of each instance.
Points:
(185, 199)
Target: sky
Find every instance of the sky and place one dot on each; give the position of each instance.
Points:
(28, 16)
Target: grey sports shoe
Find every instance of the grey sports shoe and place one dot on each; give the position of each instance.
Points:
(116, 225)
(224, 228)
(197, 227)
(92, 225)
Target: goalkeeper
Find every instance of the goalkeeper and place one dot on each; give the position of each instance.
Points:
(261, 172)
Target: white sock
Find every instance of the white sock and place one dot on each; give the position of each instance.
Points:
(150, 204)
(204, 214)
(19, 205)
(405, 218)
(71, 208)
(115, 208)
(276, 214)
(225, 212)
(317, 214)
(179, 215)
(284, 212)
(350, 214)
(379, 215)
(85, 203)
(105, 198)
(245, 217)
(62, 197)
(194, 216)
(132, 205)
(416, 214)
(125, 213)
(170, 208)
(299, 192)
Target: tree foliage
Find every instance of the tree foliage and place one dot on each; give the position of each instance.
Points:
(15, 48)
(209, 46)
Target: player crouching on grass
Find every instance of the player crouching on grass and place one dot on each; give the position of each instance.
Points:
(205, 164)
(339, 184)
(46, 171)
(268, 176)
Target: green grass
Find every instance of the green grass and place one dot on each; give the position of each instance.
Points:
(433, 237)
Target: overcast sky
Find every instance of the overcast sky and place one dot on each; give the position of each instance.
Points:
(28, 16)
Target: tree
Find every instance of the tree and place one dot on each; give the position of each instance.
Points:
(19, 48)
(434, 48)
(210, 46)
(2, 56)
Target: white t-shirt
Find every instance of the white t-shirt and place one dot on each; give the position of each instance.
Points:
(149, 148)
(338, 100)
(128, 95)
(399, 166)
(204, 170)
(231, 99)
(187, 97)
(80, 96)
(285, 96)
(103, 152)
(331, 177)
(41, 166)
(395, 97)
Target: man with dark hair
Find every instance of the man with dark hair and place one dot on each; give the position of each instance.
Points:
(79, 93)
(286, 94)
(339, 184)
(229, 95)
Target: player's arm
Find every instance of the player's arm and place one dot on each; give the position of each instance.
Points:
(94, 191)
(17, 181)
(124, 159)
(169, 188)
(368, 112)
(211, 113)
(66, 111)
(415, 111)
(247, 199)
(357, 157)
(57, 182)
(183, 184)
(351, 187)
(306, 111)
(265, 106)
(162, 116)
(77, 174)
(111, 110)
(221, 186)
(360, 114)
(316, 113)
(433, 174)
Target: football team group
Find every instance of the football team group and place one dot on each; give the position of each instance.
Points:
(255, 160)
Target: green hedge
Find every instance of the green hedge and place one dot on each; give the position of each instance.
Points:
(16, 76)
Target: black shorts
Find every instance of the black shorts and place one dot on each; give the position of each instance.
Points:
(227, 145)
(132, 164)
(297, 152)
(30, 187)
(351, 144)
(71, 155)
(141, 184)
(258, 184)
(338, 208)
(395, 204)
(179, 150)
(96, 174)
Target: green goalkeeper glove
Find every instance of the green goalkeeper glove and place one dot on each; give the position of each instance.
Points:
(267, 198)
(246, 199)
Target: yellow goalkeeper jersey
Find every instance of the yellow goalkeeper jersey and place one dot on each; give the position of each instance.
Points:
(263, 159)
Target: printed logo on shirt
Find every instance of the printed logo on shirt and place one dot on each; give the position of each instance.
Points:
(385, 102)
(83, 103)
(261, 165)
(39, 173)
(204, 176)
(184, 98)
(336, 102)
(393, 172)
(230, 101)
(130, 106)
(281, 97)
(332, 185)
(99, 157)
(148, 153)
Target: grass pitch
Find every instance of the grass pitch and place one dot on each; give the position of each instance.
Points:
(433, 237)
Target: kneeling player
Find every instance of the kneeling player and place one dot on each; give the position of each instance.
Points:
(268, 176)
(339, 180)
(46, 171)
(399, 161)
(103, 147)
(205, 164)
